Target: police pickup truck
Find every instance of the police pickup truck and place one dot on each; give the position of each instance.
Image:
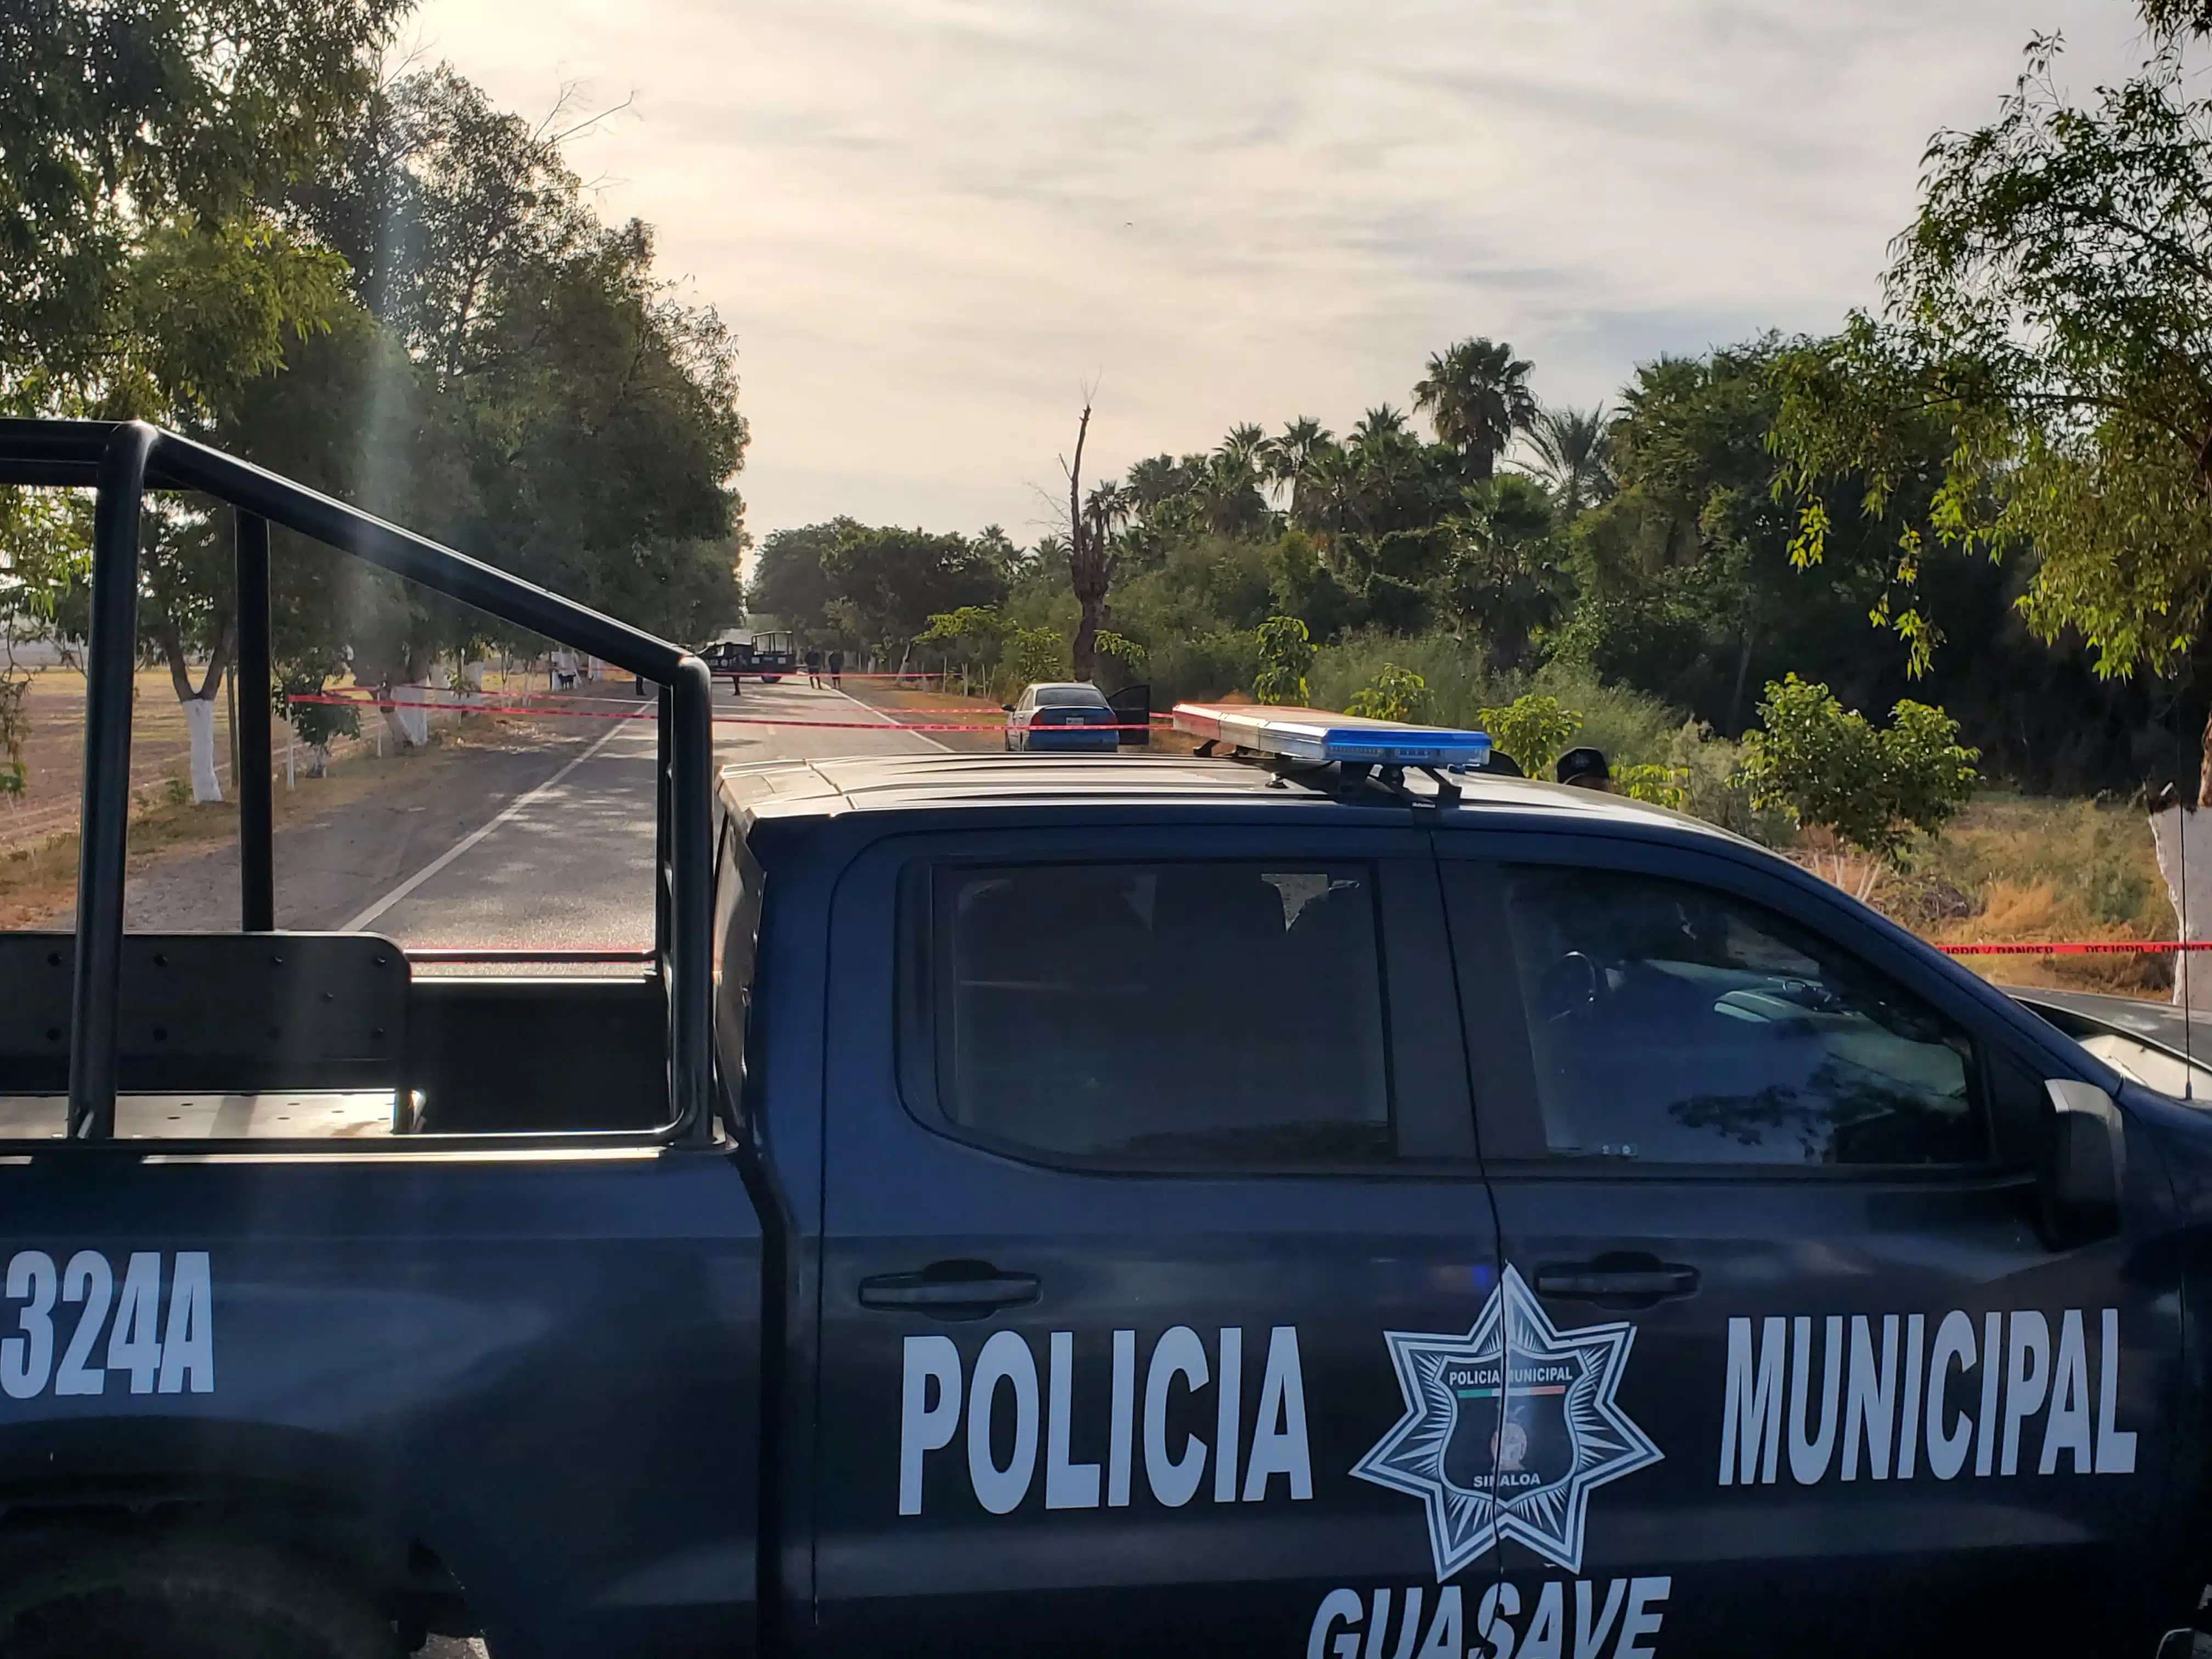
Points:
(1289, 1202)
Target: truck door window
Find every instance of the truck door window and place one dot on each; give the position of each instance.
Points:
(1673, 1024)
(1216, 1014)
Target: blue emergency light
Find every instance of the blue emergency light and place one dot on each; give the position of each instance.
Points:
(1315, 735)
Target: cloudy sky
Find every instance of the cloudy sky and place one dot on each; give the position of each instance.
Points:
(933, 223)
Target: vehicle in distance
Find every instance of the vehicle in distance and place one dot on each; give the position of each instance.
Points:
(1034, 1207)
(729, 659)
(775, 653)
(1070, 717)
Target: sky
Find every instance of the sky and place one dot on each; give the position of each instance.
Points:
(935, 224)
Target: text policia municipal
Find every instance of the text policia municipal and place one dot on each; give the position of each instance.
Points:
(1004, 1384)
(2012, 1395)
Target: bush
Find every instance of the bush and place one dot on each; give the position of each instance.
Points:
(1825, 765)
(1533, 729)
(1286, 653)
(1397, 694)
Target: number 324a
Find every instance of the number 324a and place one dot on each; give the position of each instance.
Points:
(171, 1356)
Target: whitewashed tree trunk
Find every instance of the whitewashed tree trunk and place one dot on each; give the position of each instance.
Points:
(2183, 835)
(414, 722)
(199, 722)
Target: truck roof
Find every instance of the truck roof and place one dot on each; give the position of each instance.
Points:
(814, 788)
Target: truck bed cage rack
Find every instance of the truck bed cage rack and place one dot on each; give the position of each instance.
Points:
(123, 459)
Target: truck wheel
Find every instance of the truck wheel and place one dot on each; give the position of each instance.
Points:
(186, 1598)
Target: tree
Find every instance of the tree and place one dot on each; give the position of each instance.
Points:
(1503, 580)
(1476, 396)
(1825, 765)
(1533, 730)
(1573, 455)
(1285, 653)
(1395, 694)
(790, 580)
(1091, 522)
(2049, 316)
(143, 271)
(126, 122)
(1292, 452)
(888, 584)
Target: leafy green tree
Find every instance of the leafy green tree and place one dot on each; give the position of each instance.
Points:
(2048, 316)
(1395, 694)
(1036, 655)
(1533, 729)
(1476, 395)
(1286, 653)
(1825, 765)
(790, 582)
(888, 584)
(181, 121)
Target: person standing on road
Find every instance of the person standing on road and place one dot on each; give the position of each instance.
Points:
(814, 667)
(837, 668)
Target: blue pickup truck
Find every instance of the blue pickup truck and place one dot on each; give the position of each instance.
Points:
(1282, 1202)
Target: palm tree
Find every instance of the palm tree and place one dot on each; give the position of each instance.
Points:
(1476, 395)
(1380, 422)
(1288, 457)
(1244, 448)
(1574, 455)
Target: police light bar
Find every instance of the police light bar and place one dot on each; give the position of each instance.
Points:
(1314, 735)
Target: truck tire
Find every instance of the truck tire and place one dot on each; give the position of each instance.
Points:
(186, 1597)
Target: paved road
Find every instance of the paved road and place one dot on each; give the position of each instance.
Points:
(569, 864)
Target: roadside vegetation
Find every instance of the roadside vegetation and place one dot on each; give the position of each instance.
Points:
(1819, 589)
(378, 283)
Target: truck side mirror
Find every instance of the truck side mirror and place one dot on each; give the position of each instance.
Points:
(2084, 1165)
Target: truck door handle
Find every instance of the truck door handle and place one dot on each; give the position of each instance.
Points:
(951, 1290)
(1617, 1281)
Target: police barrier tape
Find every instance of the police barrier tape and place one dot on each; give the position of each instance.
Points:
(650, 711)
(2087, 947)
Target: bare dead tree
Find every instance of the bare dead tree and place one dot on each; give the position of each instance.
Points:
(1090, 556)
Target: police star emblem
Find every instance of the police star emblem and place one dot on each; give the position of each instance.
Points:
(1509, 1429)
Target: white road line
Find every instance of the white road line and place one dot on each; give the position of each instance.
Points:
(408, 887)
(887, 719)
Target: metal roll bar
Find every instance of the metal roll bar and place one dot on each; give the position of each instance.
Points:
(123, 460)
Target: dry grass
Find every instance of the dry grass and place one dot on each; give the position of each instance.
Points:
(2013, 868)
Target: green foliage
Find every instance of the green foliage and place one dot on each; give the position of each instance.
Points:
(1533, 729)
(181, 121)
(1286, 653)
(1825, 765)
(1662, 786)
(1121, 649)
(1476, 395)
(971, 630)
(1395, 694)
(316, 724)
(2047, 318)
(889, 583)
(1036, 653)
(789, 580)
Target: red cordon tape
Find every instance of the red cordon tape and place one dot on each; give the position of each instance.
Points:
(650, 711)
(2092, 947)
